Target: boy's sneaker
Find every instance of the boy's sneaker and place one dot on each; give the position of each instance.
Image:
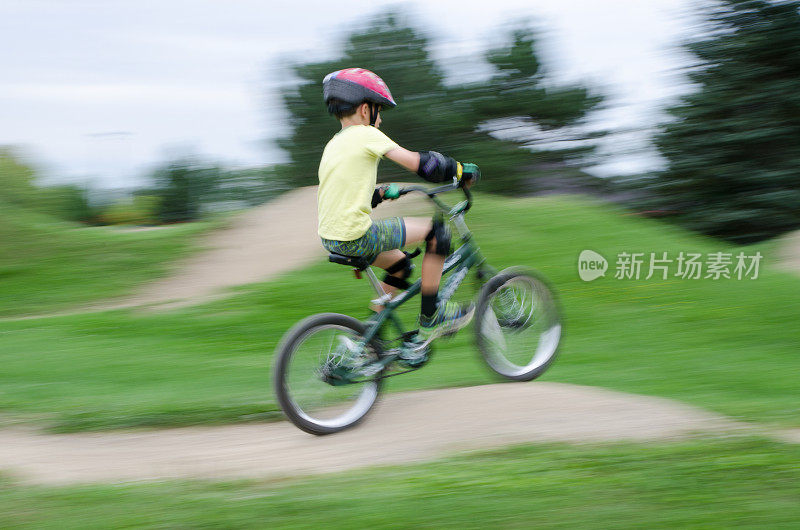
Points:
(446, 320)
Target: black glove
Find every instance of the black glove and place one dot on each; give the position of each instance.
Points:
(436, 167)
(376, 197)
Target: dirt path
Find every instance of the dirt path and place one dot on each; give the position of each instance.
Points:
(406, 427)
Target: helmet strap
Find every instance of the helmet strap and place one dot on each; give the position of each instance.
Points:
(374, 109)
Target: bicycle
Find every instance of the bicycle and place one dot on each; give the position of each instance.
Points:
(329, 368)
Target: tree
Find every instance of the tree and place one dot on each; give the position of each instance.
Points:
(733, 145)
(17, 179)
(539, 123)
(182, 188)
(466, 121)
(246, 187)
(400, 55)
(18, 187)
(187, 188)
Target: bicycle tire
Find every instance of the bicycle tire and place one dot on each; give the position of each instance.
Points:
(536, 338)
(289, 400)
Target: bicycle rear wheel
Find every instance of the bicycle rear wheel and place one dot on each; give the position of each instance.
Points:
(313, 369)
(517, 325)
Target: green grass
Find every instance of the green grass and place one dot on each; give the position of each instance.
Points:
(47, 265)
(718, 483)
(729, 346)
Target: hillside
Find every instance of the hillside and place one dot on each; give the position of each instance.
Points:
(726, 345)
(47, 265)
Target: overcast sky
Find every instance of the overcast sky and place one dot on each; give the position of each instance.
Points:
(101, 90)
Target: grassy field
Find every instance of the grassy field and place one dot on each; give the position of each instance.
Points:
(727, 345)
(47, 265)
(717, 483)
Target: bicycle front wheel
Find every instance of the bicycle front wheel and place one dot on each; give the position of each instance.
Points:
(315, 370)
(517, 325)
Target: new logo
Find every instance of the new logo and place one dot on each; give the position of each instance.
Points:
(591, 265)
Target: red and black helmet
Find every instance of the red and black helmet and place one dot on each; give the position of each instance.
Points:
(355, 86)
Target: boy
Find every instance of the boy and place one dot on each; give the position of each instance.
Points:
(347, 194)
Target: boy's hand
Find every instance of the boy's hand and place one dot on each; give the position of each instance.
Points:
(377, 196)
(391, 191)
(387, 191)
(469, 174)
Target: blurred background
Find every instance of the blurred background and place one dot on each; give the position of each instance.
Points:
(118, 112)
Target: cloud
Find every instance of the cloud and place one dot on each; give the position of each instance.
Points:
(98, 93)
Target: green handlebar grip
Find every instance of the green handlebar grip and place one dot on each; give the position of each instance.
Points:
(471, 170)
(392, 192)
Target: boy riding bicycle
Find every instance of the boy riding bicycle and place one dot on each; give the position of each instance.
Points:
(347, 193)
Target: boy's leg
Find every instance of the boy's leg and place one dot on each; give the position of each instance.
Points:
(434, 320)
(384, 261)
(417, 229)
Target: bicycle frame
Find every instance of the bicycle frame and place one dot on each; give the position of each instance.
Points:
(364, 352)
(463, 259)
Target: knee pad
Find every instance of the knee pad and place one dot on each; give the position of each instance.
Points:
(442, 235)
(406, 266)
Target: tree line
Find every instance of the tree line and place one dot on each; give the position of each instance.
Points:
(497, 120)
(731, 146)
(181, 190)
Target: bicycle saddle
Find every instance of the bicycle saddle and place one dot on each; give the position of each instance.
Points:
(351, 261)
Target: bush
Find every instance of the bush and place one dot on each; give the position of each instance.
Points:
(18, 187)
(139, 210)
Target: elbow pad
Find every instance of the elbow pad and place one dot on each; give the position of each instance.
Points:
(436, 167)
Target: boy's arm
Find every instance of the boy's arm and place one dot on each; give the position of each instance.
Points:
(404, 157)
(430, 165)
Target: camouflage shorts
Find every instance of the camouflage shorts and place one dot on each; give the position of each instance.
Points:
(383, 235)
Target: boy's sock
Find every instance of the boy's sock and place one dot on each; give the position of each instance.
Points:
(428, 305)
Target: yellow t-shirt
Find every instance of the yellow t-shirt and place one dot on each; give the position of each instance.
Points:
(348, 173)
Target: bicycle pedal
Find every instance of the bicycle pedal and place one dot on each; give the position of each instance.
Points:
(418, 362)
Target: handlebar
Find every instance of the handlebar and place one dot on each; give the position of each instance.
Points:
(433, 192)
